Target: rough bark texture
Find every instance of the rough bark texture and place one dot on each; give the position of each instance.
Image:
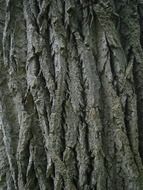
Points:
(71, 94)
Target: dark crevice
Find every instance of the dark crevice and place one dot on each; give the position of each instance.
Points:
(25, 154)
(36, 68)
(33, 182)
(47, 103)
(138, 78)
(63, 12)
(90, 168)
(37, 131)
(126, 121)
(49, 52)
(37, 8)
(112, 65)
(76, 180)
(106, 165)
(54, 70)
(140, 12)
(83, 120)
(127, 126)
(63, 116)
(75, 183)
(25, 161)
(76, 20)
(89, 3)
(68, 33)
(63, 124)
(50, 183)
(63, 184)
(106, 183)
(43, 15)
(46, 92)
(123, 183)
(23, 157)
(130, 54)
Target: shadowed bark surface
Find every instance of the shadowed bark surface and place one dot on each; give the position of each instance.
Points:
(71, 95)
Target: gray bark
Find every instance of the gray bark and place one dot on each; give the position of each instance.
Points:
(71, 95)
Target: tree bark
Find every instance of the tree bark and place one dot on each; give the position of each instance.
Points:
(71, 95)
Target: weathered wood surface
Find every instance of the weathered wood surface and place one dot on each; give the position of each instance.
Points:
(71, 95)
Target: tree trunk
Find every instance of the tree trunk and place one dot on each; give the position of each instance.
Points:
(71, 95)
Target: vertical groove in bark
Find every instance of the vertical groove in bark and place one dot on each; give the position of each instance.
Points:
(132, 45)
